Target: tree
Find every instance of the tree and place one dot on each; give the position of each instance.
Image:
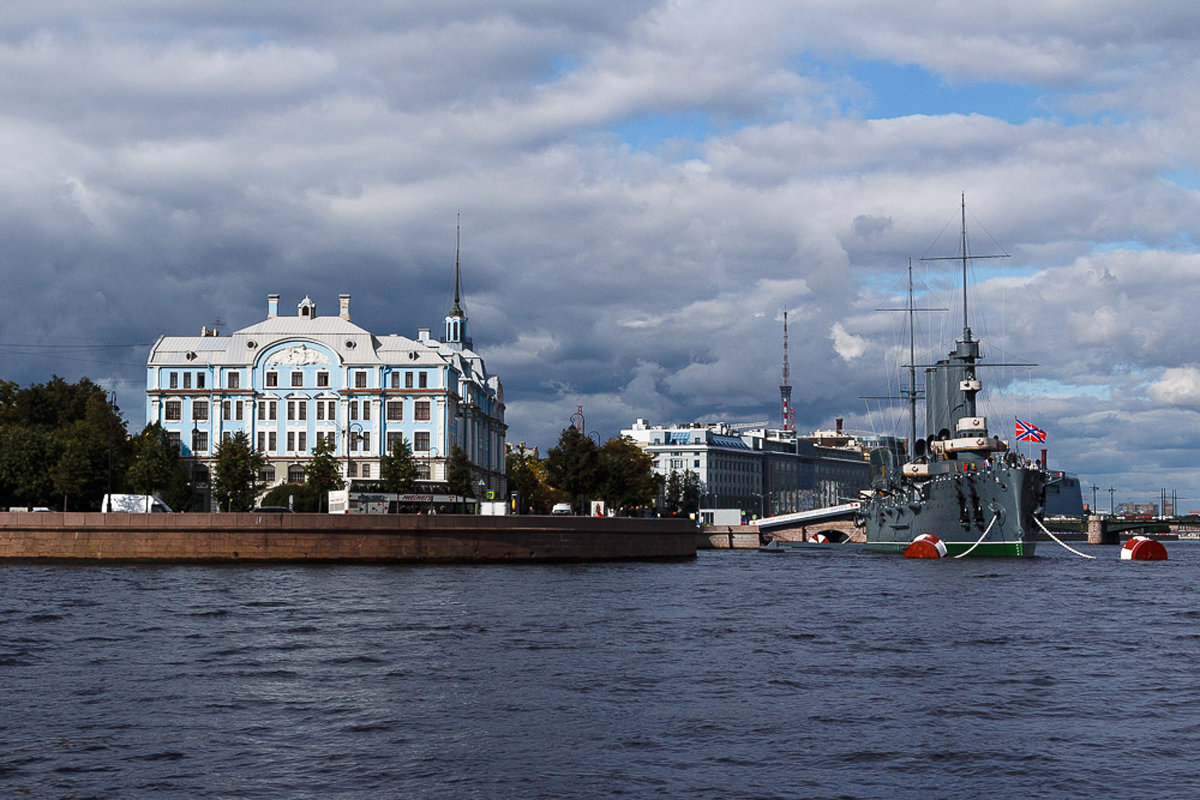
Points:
(322, 472)
(628, 477)
(573, 467)
(157, 469)
(672, 493)
(235, 479)
(689, 493)
(300, 497)
(398, 469)
(458, 473)
(527, 477)
(80, 461)
(45, 424)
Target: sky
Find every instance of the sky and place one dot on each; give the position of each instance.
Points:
(644, 188)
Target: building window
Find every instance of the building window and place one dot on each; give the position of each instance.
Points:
(366, 409)
(352, 470)
(267, 409)
(353, 408)
(199, 380)
(239, 412)
(320, 409)
(271, 441)
(296, 473)
(421, 410)
(393, 440)
(297, 378)
(323, 379)
(226, 410)
(408, 380)
(302, 441)
(360, 380)
(272, 379)
(291, 441)
(395, 410)
(331, 413)
(173, 380)
(366, 471)
(297, 409)
(174, 411)
(187, 380)
(267, 474)
(173, 438)
(233, 380)
(262, 442)
(226, 436)
(199, 441)
(421, 441)
(422, 472)
(199, 409)
(423, 380)
(395, 380)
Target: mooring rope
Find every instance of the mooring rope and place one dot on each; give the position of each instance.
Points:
(1060, 541)
(981, 538)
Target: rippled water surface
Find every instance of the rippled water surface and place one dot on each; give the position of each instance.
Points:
(737, 675)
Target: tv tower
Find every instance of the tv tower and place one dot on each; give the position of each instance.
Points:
(785, 385)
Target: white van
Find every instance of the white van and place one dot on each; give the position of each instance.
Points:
(561, 509)
(134, 504)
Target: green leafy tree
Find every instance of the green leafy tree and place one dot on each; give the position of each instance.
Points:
(25, 453)
(57, 441)
(398, 469)
(573, 467)
(322, 472)
(672, 493)
(689, 493)
(80, 462)
(300, 497)
(458, 473)
(628, 477)
(235, 475)
(527, 478)
(156, 468)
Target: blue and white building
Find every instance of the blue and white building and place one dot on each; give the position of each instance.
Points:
(289, 381)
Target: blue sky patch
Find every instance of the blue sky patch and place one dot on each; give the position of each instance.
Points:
(900, 90)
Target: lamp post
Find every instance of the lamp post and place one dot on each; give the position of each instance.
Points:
(112, 405)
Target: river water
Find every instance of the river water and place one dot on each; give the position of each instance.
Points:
(737, 675)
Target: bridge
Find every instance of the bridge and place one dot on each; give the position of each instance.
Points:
(835, 522)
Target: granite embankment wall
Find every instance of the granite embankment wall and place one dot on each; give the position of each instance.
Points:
(326, 537)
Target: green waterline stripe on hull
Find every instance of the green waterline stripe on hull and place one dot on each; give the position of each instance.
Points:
(984, 550)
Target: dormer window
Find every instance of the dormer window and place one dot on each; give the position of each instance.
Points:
(307, 308)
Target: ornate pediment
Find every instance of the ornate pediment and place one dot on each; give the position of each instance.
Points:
(298, 356)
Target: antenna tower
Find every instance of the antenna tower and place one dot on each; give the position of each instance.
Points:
(785, 384)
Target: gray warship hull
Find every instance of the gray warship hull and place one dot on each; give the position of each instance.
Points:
(990, 511)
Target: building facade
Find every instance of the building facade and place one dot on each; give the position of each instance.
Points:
(290, 381)
(764, 472)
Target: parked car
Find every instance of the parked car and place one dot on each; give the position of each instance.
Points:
(561, 509)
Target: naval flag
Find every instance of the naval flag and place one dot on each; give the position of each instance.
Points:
(1027, 432)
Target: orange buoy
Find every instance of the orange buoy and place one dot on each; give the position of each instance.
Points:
(925, 546)
(1143, 548)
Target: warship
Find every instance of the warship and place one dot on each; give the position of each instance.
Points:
(962, 484)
